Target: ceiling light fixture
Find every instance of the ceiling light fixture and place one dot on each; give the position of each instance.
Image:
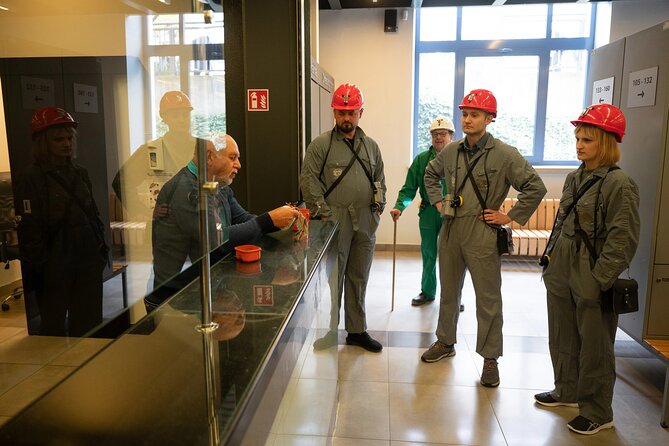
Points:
(4, 8)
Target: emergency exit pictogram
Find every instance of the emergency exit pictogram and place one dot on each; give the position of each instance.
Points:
(258, 100)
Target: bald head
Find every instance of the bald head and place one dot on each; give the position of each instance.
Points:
(223, 159)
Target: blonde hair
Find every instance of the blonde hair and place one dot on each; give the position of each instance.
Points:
(41, 143)
(609, 152)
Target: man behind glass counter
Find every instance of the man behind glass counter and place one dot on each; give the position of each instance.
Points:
(342, 178)
(176, 235)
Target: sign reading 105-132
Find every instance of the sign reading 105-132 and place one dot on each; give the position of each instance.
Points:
(642, 86)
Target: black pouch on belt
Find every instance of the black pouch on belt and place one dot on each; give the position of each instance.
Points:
(623, 296)
(504, 240)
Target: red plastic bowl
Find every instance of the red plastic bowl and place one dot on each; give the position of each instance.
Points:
(248, 253)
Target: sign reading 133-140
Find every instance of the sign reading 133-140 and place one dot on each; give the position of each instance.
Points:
(641, 92)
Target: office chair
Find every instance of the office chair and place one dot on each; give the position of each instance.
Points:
(9, 245)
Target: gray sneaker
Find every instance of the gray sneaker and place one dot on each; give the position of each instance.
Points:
(490, 373)
(438, 351)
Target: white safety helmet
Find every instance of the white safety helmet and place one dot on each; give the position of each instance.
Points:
(442, 122)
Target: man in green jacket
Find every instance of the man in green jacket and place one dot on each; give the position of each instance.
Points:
(429, 219)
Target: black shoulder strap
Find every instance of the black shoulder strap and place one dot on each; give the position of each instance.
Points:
(336, 182)
(346, 169)
(470, 168)
(368, 173)
(592, 248)
(591, 182)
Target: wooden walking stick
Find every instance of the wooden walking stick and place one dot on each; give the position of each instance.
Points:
(392, 305)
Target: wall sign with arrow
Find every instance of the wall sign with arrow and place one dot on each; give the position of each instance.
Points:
(642, 87)
(85, 98)
(37, 93)
(602, 91)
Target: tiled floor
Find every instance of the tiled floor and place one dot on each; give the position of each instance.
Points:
(393, 398)
(30, 365)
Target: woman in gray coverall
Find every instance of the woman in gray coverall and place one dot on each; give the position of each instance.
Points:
(581, 323)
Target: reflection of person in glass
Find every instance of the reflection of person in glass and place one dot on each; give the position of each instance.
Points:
(61, 236)
(228, 313)
(595, 237)
(176, 235)
(140, 179)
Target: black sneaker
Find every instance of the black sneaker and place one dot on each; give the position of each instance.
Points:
(365, 341)
(547, 399)
(421, 299)
(582, 425)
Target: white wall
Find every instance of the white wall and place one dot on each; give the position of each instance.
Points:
(62, 36)
(354, 48)
(631, 16)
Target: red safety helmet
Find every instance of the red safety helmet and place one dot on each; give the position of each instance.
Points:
(51, 116)
(606, 117)
(482, 100)
(175, 100)
(347, 97)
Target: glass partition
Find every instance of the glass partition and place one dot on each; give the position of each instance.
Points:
(149, 386)
(142, 82)
(119, 169)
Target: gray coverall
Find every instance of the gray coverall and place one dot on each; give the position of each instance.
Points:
(466, 243)
(581, 331)
(349, 204)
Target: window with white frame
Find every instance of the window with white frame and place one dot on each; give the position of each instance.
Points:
(534, 58)
(186, 53)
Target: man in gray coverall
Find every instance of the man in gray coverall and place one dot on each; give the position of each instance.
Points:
(467, 240)
(342, 178)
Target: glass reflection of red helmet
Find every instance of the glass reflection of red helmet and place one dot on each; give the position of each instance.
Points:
(481, 100)
(51, 116)
(606, 117)
(175, 100)
(347, 97)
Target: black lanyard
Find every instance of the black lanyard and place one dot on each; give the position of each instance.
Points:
(577, 195)
(355, 157)
(470, 169)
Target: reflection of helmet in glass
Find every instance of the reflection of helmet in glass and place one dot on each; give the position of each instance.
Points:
(174, 100)
(49, 117)
(228, 313)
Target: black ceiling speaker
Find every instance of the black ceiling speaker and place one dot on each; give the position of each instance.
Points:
(390, 22)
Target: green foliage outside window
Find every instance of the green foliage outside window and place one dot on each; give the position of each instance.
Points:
(428, 109)
(202, 126)
(559, 141)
